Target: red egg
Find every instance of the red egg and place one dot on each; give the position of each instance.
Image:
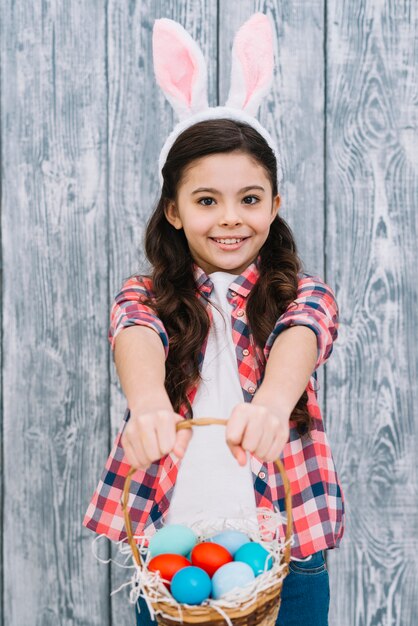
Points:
(210, 557)
(167, 565)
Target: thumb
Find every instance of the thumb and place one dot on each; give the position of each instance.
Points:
(238, 453)
(183, 437)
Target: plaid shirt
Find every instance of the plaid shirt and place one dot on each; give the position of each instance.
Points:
(317, 498)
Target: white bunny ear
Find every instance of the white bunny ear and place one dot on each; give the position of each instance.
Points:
(180, 68)
(252, 64)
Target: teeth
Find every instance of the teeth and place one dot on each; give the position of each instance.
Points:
(228, 240)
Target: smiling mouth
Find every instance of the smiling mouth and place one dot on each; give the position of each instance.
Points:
(229, 243)
(228, 240)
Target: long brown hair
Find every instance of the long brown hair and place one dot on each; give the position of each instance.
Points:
(174, 289)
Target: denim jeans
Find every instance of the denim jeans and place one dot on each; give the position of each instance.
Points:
(305, 595)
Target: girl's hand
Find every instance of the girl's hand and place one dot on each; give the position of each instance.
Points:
(259, 430)
(148, 436)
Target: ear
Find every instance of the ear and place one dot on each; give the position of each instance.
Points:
(172, 215)
(179, 67)
(252, 64)
(275, 207)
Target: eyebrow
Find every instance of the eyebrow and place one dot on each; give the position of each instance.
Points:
(211, 190)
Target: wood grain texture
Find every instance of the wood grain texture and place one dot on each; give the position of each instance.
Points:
(82, 125)
(372, 195)
(140, 119)
(55, 300)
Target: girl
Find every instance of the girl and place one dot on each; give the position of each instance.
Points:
(226, 325)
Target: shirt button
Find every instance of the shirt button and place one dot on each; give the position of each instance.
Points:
(245, 352)
(240, 313)
(251, 389)
(262, 475)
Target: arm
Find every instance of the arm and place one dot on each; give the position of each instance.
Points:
(301, 340)
(289, 367)
(140, 364)
(139, 343)
(316, 308)
(150, 432)
(140, 346)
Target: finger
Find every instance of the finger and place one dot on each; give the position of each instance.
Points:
(253, 434)
(273, 453)
(141, 453)
(134, 439)
(182, 440)
(146, 434)
(239, 454)
(234, 433)
(131, 455)
(166, 432)
(268, 435)
(235, 426)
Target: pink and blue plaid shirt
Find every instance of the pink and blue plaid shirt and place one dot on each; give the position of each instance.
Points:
(317, 498)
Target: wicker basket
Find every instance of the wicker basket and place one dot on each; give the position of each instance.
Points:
(263, 611)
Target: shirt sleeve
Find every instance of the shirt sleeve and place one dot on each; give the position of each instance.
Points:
(128, 310)
(316, 307)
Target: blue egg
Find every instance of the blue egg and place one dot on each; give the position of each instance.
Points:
(230, 576)
(232, 540)
(172, 539)
(191, 585)
(255, 556)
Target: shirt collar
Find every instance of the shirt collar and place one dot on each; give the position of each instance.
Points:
(241, 285)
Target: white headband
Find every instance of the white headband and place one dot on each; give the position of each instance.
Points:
(180, 71)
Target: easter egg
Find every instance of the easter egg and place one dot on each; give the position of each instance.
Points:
(254, 555)
(210, 556)
(172, 539)
(167, 565)
(230, 539)
(191, 585)
(230, 576)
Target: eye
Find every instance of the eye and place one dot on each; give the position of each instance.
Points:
(204, 199)
(254, 197)
(207, 201)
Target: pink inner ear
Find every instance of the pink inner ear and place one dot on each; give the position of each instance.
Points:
(254, 49)
(173, 65)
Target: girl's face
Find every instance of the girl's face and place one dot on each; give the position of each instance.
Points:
(225, 206)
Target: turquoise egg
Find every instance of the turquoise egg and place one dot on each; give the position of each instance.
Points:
(191, 585)
(232, 540)
(254, 555)
(229, 576)
(172, 539)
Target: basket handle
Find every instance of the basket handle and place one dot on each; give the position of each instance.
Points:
(205, 421)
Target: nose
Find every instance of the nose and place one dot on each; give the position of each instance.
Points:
(230, 215)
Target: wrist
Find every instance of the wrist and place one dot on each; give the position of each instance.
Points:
(154, 401)
(276, 401)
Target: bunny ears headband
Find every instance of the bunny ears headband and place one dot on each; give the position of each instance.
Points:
(180, 71)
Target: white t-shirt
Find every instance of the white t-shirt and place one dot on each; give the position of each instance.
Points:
(210, 484)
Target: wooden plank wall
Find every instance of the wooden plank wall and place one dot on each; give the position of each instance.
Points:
(371, 233)
(82, 123)
(55, 295)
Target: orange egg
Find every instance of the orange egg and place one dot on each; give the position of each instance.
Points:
(210, 556)
(167, 565)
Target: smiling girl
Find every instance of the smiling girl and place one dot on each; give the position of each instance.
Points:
(226, 324)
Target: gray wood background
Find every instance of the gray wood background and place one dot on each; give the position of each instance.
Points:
(82, 123)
